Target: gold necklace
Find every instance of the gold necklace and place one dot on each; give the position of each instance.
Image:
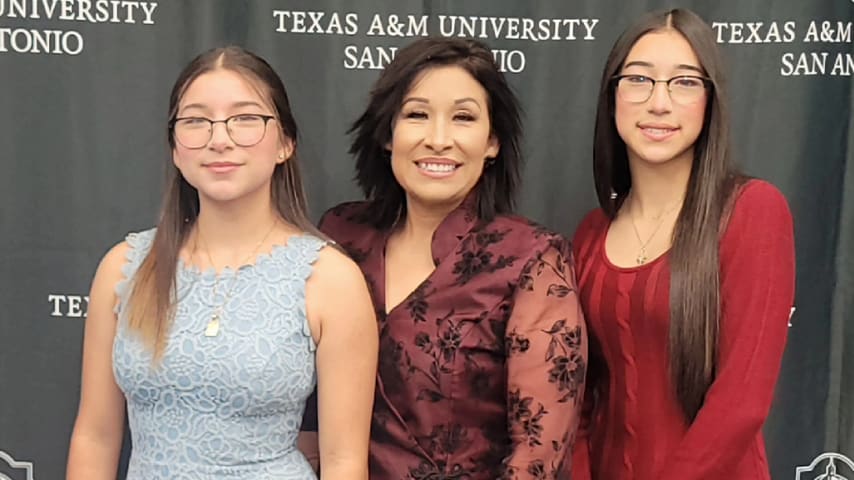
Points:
(212, 328)
(642, 257)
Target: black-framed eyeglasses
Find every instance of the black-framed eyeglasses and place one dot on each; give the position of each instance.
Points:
(244, 129)
(683, 89)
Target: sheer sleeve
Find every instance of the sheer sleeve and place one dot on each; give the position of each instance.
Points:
(546, 344)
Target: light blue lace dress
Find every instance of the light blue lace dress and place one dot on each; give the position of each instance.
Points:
(228, 406)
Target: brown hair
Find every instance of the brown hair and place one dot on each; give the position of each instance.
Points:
(497, 186)
(152, 300)
(694, 283)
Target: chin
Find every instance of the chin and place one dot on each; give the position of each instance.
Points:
(660, 157)
(221, 195)
(437, 198)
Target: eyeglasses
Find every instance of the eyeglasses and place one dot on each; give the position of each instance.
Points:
(684, 89)
(245, 130)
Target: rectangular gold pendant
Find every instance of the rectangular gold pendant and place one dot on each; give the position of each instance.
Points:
(212, 329)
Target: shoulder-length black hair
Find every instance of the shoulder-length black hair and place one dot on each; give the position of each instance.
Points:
(372, 132)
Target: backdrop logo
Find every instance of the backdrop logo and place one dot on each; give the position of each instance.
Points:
(394, 28)
(811, 47)
(70, 306)
(827, 466)
(11, 469)
(28, 16)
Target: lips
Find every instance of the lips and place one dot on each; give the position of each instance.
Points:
(221, 167)
(657, 132)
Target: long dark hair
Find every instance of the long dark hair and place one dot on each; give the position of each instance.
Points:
(695, 303)
(498, 185)
(152, 303)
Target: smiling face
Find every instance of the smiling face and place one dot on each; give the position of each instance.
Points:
(659, 130)
(221, 170)
(441, 137)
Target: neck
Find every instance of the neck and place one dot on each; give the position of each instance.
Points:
(658, 188)
(230, 230)
(423, 220)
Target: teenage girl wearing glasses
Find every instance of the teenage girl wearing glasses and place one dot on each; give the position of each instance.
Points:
(213, 328)
(686, 272)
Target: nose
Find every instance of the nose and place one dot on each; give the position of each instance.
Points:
(438, 135)
(220, 138)
(659, 101)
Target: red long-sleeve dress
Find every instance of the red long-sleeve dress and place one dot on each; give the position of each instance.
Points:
(636, 431)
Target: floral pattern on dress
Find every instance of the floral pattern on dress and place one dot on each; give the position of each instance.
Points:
(481, 367)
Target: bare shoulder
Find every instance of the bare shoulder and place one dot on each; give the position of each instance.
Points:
(334, 272)
(104, 293)
(337, 296)
(110, 268)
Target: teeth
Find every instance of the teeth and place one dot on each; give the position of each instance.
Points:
(437, 167)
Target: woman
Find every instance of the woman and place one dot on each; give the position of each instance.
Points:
(482, 341)
(686, 272)
(221, 311)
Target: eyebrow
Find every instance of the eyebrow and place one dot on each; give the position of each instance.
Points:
(456, 102)
(681, 66)
(202, 106)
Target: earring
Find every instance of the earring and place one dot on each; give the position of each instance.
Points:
(613, 195)
(281, 156)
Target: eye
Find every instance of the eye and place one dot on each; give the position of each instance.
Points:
(193, 121)
(247, 118)
(687, 82)
(464, 117)
(636, 79)
(415, 114)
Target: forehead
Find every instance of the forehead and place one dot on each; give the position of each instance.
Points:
(449, 81)
(223, 86)
(663, 50)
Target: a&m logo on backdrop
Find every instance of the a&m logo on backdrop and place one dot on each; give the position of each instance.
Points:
(11, 469)
(827, 466)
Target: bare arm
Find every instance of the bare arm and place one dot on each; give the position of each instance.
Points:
(97, 437)
(340, 309)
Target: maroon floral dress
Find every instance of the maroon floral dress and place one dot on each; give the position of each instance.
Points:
(481, 369)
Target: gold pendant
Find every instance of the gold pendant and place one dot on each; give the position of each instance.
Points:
(212, 329)
(642, 258)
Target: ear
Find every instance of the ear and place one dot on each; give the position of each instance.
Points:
(492, 147)
(286, 150)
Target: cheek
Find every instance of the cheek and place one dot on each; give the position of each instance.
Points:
(693, 117)
(398, 164)
(475, 142)
(624, 119)
(179, 156)
(698, 112)
(403, 137)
